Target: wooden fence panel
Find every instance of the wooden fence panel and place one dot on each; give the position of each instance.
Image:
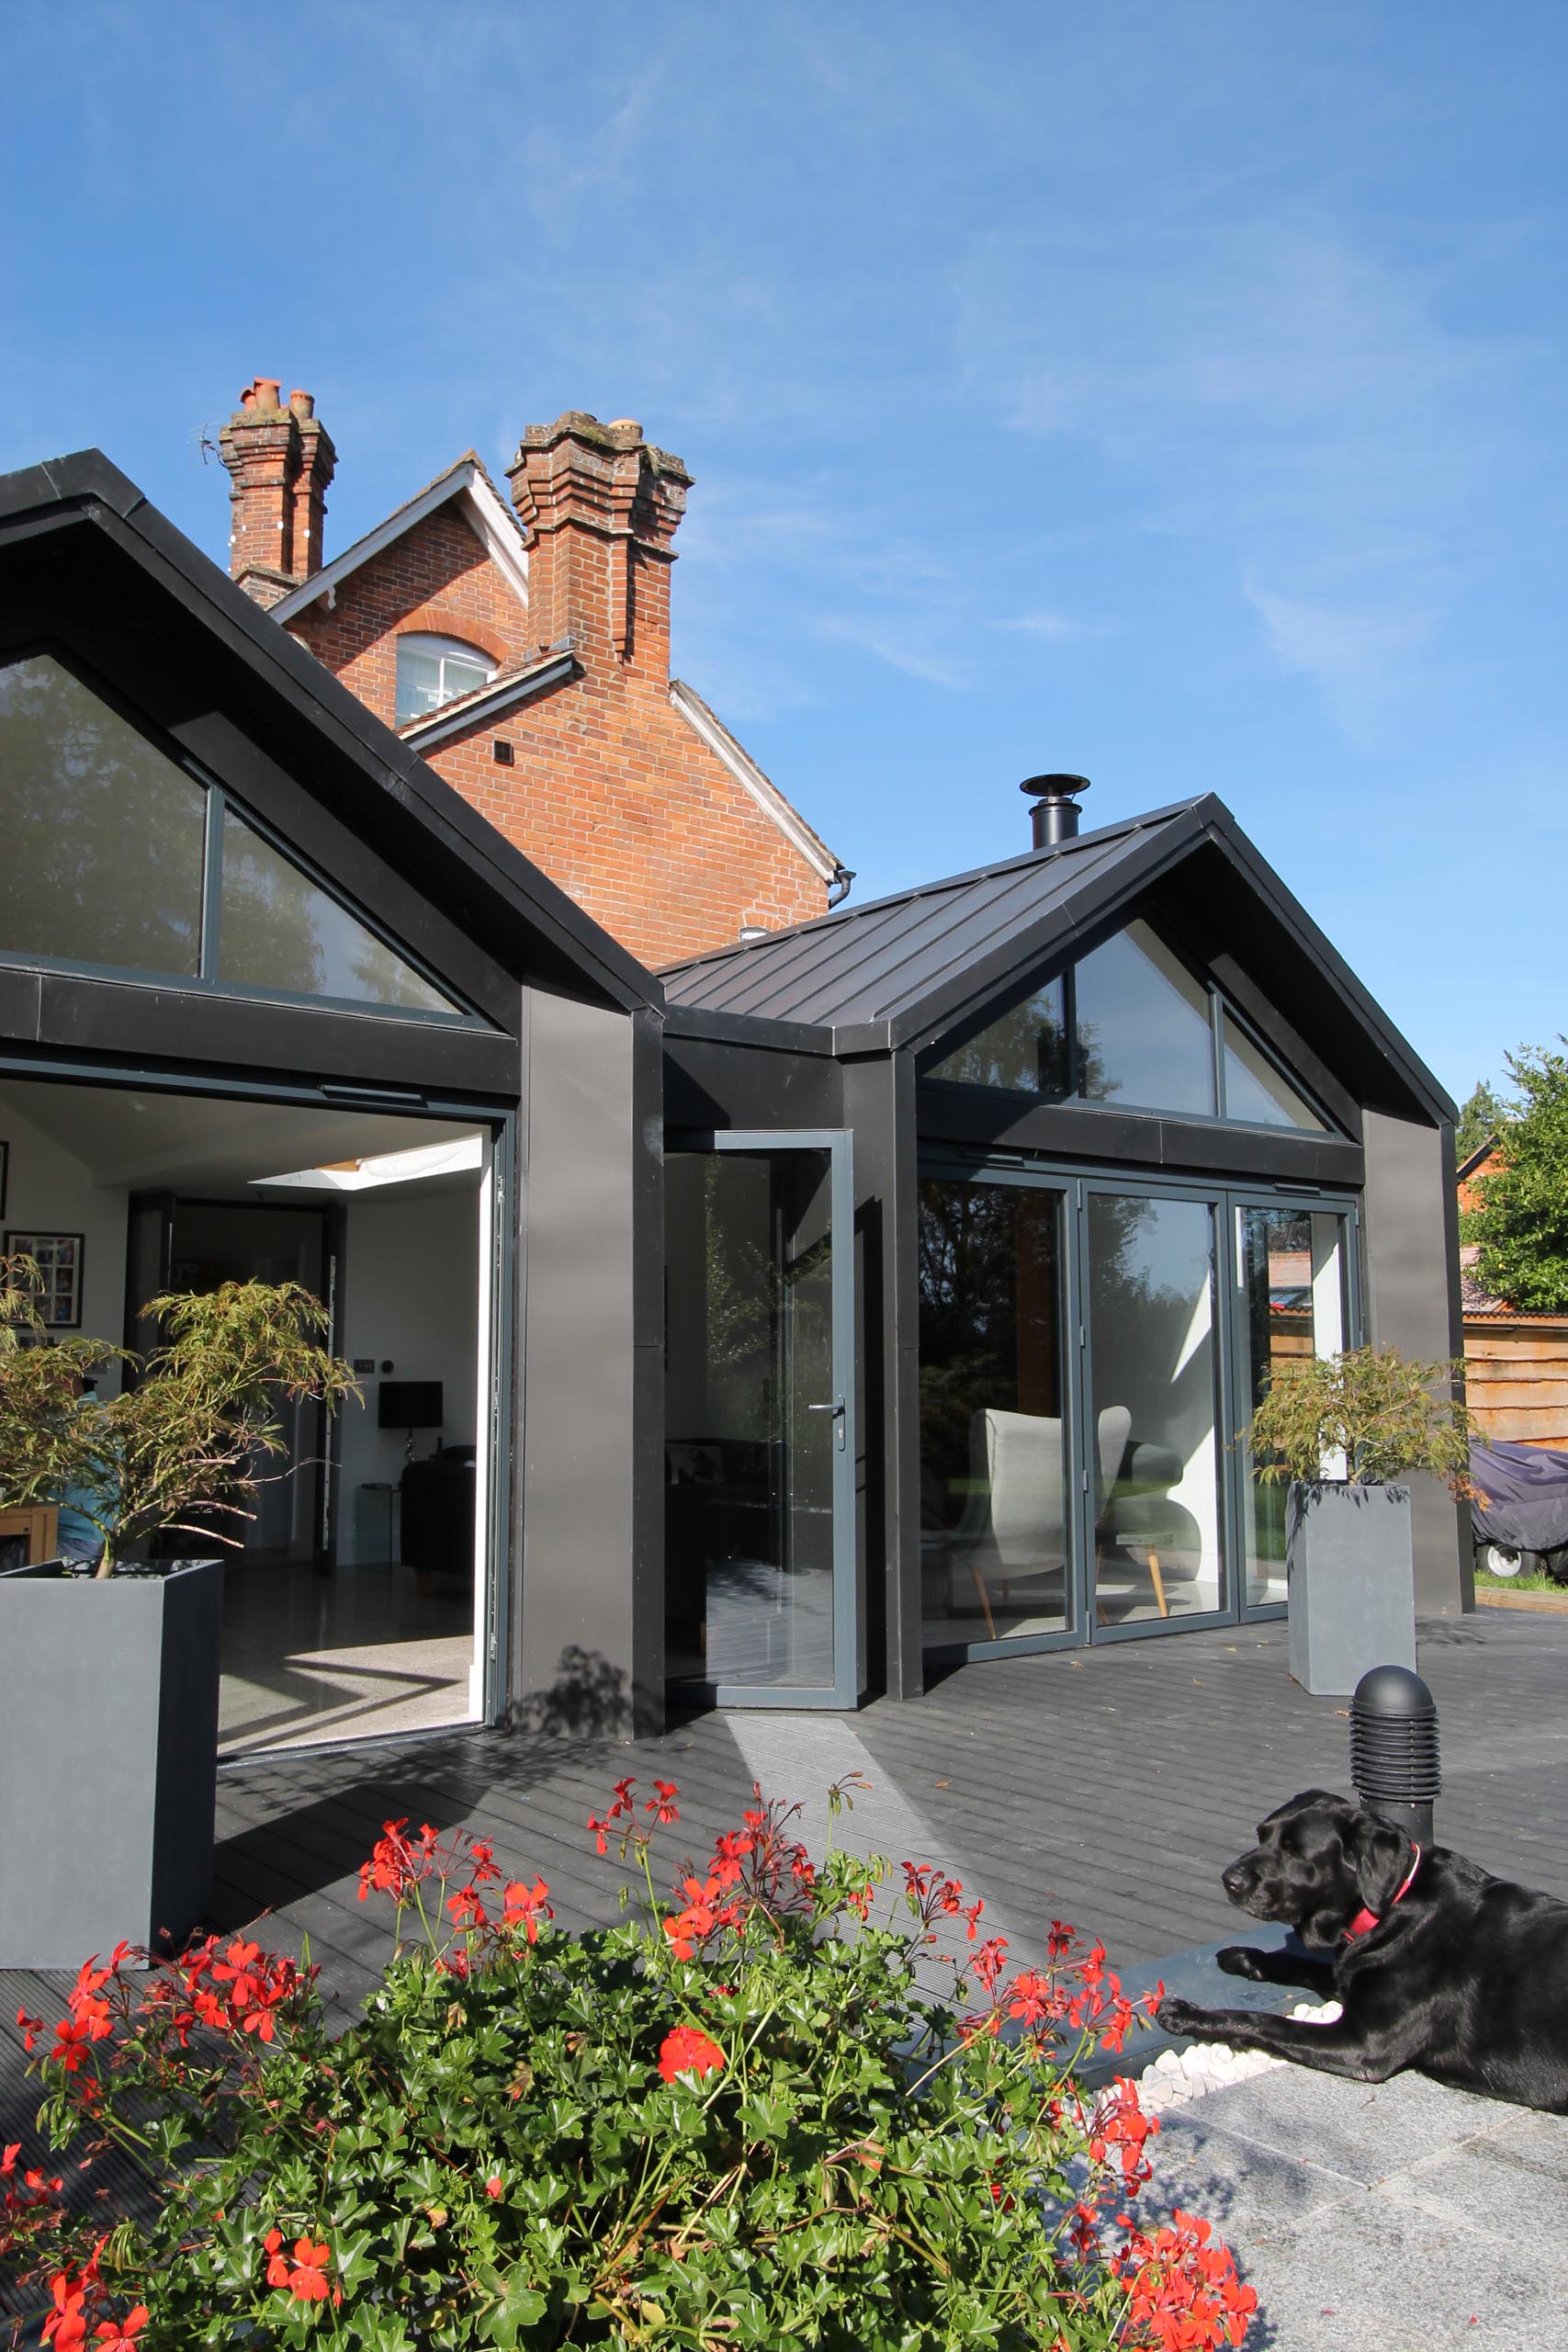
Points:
(1516, 1377)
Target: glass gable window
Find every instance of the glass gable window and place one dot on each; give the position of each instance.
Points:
(117, 857)
(1026, 1049)
(1255, 1091)
(103, 833)
(1144, 1027)
(433, 670)
(1131, 1027)
(277, 929)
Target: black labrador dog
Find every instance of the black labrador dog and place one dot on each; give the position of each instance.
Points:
(1436, 1965)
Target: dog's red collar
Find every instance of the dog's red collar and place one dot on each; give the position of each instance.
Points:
(1365, 1921)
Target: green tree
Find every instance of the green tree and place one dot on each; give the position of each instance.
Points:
(1480, 1119)
(1522, 1226)
(182, 1452)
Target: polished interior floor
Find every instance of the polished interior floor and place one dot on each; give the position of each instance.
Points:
(308, 1658)
(953, 1612)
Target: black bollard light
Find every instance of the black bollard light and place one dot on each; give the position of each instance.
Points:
(1393, 1749)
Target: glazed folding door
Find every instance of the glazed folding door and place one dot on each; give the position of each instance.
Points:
(759, 1440)
(1154, 1369)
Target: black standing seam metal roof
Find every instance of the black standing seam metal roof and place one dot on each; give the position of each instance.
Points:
(899, 969)
(895, 954)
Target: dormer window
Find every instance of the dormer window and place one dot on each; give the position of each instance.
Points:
(433, 670)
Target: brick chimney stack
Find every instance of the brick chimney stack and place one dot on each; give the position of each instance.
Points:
(600, 507)
(280, 461)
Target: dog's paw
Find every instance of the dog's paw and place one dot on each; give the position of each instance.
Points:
(1179, 2017)
(1240, 1959)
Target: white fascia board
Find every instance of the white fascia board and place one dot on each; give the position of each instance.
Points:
(496, 533)
(488, 701)
(744, 769)
(499, 530)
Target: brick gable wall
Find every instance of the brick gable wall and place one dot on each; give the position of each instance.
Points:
(611, 792)
(437, 576)
(626, 808)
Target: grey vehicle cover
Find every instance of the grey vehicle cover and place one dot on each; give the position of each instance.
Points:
(1526, 1492)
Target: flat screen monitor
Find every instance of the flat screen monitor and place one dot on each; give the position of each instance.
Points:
(411, 1404)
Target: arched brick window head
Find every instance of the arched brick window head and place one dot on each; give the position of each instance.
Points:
(433, 670)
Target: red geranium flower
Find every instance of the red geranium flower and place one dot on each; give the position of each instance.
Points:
(397, 1862)
(527, 1903)
(238, 1967)
(467, 1908)
(1031, 1997)
(306, 2276)
(660, 1803)
(71, 2043)
(703, 1916)
(66, 2327)
(686, 2050)
(120, 2334)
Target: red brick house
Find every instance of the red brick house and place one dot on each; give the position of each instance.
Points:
(522, 649)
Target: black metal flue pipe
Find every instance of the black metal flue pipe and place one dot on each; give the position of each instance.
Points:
(1056, 811)
(1393, 1749)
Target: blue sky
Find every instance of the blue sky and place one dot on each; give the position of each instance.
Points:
(1176, 395)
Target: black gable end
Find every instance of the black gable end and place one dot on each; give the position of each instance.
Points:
(85, 559)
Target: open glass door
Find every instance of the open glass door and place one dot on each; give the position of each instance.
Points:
(760, 1445)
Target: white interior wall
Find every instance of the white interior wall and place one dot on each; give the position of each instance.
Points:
(410, 1294)
(49, 1191)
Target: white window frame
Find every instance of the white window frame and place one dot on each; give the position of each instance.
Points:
(441, 649)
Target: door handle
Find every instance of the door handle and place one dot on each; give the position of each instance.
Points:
(837, 1409)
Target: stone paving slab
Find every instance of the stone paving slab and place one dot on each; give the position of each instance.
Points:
(1393, 2217)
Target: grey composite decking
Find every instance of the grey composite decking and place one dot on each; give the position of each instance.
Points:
(1106, 1787)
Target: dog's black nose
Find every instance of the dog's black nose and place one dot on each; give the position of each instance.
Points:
(1236, 1881)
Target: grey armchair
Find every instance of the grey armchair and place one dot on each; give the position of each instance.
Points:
(1013, 1526)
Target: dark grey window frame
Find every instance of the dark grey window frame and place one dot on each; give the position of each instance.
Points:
(1224, 1195)
(219, 799)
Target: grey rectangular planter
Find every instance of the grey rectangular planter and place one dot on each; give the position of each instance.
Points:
(109, 1697)
(1350, 1564)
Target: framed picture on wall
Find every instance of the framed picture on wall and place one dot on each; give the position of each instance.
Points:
(59, 1260)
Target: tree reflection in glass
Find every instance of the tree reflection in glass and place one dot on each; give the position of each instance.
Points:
(103, 833)
(1025, 1049)
(278, 930)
